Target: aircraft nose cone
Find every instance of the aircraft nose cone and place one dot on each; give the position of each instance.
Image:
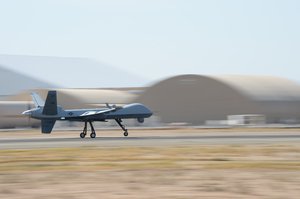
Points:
(149, 112)
(28, 112)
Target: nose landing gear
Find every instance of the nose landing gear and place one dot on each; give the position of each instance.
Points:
(119, 121)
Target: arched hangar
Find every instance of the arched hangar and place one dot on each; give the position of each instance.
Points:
(195, 99)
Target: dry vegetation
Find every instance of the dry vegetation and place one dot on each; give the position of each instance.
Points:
(254, 171)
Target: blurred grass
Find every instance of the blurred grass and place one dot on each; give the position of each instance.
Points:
(140, 158)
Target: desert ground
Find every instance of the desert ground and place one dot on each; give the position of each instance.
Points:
(261, 168)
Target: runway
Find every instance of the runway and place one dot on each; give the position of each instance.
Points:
(148, 140)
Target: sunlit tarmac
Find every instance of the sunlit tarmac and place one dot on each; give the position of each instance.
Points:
(158, 137)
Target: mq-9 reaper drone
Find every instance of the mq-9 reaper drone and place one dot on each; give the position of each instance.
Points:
(49, 112)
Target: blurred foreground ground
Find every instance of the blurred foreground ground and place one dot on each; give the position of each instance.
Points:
(238, 170)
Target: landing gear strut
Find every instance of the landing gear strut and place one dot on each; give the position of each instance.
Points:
(93, 134)
(84, 132)
(119, 121)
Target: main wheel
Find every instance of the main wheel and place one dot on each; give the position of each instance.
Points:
(125, 133)
(82, 135)
(93, 135)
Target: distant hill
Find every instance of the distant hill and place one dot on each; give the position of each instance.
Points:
(71, 72)
(12, 82)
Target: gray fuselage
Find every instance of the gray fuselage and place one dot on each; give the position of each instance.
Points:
(135, 110)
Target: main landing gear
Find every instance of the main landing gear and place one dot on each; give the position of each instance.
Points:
(84, 132)
(93, 132)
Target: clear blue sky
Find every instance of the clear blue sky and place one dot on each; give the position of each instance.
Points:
(158, 38)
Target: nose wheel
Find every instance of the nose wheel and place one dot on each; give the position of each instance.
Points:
(125, 133)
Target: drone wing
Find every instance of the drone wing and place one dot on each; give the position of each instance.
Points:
(96, 113)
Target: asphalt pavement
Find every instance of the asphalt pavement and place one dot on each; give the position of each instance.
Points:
(148, 140)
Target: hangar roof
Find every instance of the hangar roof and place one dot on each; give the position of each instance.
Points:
(259, 88)
(264, 88)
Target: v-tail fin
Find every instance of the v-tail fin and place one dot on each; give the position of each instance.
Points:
(50, 107)
(47, 125)
(37, 100)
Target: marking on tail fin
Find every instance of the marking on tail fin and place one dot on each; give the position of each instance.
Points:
(50, 107)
